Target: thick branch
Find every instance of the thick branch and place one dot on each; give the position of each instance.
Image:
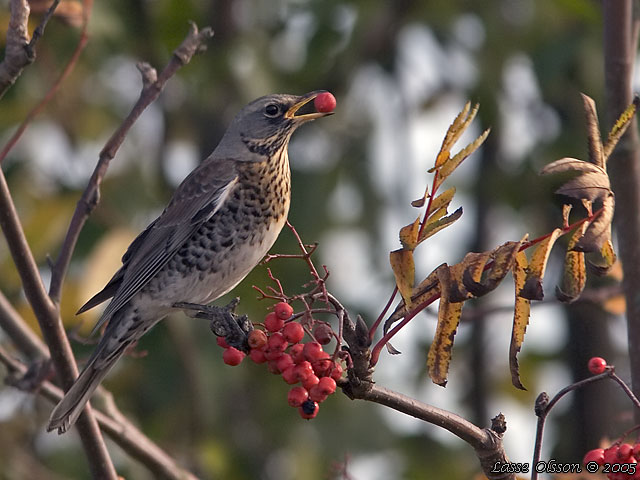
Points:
(152, 86)
(118, 428)
(624, 165)
(51, 326)
(486, 442)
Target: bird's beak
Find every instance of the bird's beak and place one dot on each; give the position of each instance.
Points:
(304, 100)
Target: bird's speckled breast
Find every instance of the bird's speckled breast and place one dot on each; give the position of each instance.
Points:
(230, 244)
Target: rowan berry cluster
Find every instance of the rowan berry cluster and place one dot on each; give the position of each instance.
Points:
(303, 364)
(618, 461)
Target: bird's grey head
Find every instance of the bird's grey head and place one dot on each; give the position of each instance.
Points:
(264, 126)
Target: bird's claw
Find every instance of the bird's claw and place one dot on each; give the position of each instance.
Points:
(223, 321)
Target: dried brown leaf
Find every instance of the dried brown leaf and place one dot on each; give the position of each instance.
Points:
(569, 164)
(599, 231)
(590, 186)
(596, 155)
(532, 288)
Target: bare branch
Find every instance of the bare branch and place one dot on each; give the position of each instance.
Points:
(193, 43)
(20, 334)
(486, 442)
(117, 427)
(20, 51)
(50, 323)
(84, 37)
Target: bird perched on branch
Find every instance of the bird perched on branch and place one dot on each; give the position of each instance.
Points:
(219, 224)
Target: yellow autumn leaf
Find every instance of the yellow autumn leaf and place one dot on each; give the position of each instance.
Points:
(521, 314)
(619, 128)
(404, 270)
(574, 276)
(449, 313)
(443, 200)
(409, 235)
(448, 168)
(434, 227)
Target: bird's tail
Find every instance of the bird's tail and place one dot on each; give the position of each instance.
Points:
(72, 404)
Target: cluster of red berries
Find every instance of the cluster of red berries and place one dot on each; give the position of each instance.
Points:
(280, 347)
(618, 461)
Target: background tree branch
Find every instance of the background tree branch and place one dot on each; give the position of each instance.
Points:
(620, 40)
(114, 424)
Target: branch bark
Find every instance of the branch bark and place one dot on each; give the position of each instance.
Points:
(620, 39)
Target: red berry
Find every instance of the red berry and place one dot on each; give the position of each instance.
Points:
(296, 353)
(595, 455)
(232, 356)
(222, 342)
(336, 373)
(313, 351)
(611, 454)
(297, 396)
(325, 102)
(293, 332)
(276, 342)
(285, 361)
(323, 333)
(624, 452)
(272, 354)
(597, 365)
(636, 450)
(310, 381)
(316, 394)
(303, 371)
(258, 356)
(322, 367)
(290, 376)
(273, 323)
(327, 385)
(309, 409)
(283, 310)
(257, 339)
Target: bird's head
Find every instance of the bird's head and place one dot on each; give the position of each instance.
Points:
(264, 127)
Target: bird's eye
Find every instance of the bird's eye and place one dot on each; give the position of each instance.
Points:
(272, 110)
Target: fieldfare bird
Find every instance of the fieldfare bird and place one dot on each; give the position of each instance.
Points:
(219, 224)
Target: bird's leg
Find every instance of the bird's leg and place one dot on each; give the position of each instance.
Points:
(223, 321)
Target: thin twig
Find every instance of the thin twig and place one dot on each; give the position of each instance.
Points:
(152, 86)
(543, 409)
(84, 38)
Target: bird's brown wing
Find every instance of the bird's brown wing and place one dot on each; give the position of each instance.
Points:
(199, 196)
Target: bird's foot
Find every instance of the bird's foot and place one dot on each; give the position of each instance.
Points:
(223, 321)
